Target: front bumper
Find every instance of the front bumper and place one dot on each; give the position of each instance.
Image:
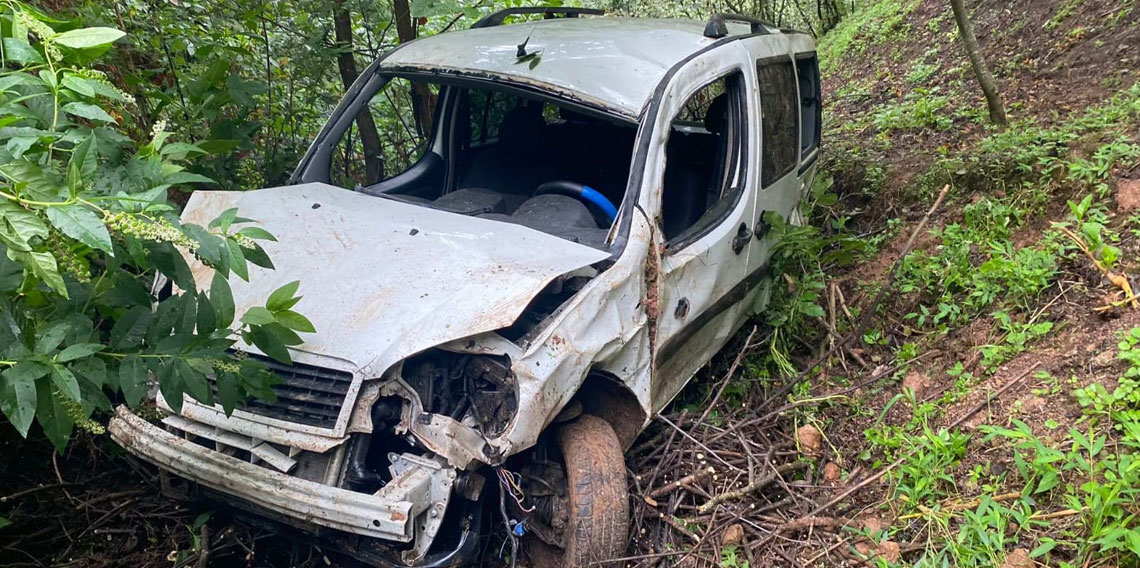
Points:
(388, 514)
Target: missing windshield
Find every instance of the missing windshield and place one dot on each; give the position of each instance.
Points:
(488, 152)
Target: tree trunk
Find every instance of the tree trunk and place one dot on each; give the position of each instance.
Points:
(829, 12)
(369, 138)
(981, 70)
(422, 102)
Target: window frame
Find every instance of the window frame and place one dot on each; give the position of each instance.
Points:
(430, 143)
(738, 105)
(794, 163)
(809, 156)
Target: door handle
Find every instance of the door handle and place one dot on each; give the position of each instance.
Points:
(762, 226)
(743, 235)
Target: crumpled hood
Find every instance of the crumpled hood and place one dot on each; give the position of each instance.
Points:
(382, 280)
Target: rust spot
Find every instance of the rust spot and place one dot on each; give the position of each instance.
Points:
(398, 517)
(652, 277)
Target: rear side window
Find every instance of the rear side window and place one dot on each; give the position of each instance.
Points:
(780, 136)
(807, 71)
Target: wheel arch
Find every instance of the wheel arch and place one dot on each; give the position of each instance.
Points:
(603, 395)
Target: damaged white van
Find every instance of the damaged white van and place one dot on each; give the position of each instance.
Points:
(517, 243)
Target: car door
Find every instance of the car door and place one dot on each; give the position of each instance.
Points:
(780, 184)
(701, 162)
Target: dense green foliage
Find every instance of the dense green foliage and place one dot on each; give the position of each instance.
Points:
(87, 225)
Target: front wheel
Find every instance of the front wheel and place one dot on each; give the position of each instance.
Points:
(596, 507)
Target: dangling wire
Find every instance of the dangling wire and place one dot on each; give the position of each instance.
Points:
(510, 530)
(512, 484)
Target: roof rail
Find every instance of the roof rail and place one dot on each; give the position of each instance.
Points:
(717, 26)
(496, 18)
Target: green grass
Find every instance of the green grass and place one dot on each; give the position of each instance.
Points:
(975, 268)
(1066, 11)
(1068, 495)
(873, 24)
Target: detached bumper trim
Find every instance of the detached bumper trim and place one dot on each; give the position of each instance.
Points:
(358, 513)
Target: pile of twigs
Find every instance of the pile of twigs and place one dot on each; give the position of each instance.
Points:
(95, 507)
(706, 491)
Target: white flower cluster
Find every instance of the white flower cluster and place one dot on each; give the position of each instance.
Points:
(158, 128)
(101, 77)
(158, 230)
(42, 31)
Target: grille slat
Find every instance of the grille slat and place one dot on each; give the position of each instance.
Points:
(306, 394)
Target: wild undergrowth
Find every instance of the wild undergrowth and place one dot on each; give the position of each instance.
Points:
(86, 227)
(1066, 499)
(1029, 221)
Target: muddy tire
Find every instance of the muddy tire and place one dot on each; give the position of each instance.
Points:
(597, 527)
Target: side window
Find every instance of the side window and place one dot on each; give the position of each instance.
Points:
(807, 72)
(389, 135)
(704, 159)
(488, 108)
(779, 109)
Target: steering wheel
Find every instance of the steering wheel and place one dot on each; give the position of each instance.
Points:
(584, 193)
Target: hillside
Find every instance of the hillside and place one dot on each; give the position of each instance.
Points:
(1001, 323)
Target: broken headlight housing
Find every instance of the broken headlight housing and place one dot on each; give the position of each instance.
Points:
(479, 391)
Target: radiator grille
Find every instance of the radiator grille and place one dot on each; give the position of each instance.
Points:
(306, 394)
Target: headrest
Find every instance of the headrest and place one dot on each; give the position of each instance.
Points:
(717, 114)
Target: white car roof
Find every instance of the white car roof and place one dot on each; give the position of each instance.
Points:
(611, 63)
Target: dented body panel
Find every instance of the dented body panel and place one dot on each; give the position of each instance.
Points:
(616, 63)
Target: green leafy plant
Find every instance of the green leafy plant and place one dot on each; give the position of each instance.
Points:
(976, 266)
(1090, 229)
(920, 108)
(85, 227)
(928, 471)
(920, 73)
(730, 558)
(1016, 339)
(1125, 398)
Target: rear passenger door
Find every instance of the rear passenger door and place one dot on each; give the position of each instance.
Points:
(780, 186)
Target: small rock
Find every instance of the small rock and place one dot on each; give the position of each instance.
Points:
(998, 468)
(1018, 558)
(809, 439)
(1128, 195)
(973, 422)
(733, 535)
(917, 382)
(863, 547)
(890, 551)
(872, 525)
(1105, 358)
(831, 472)
(1032, 404)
